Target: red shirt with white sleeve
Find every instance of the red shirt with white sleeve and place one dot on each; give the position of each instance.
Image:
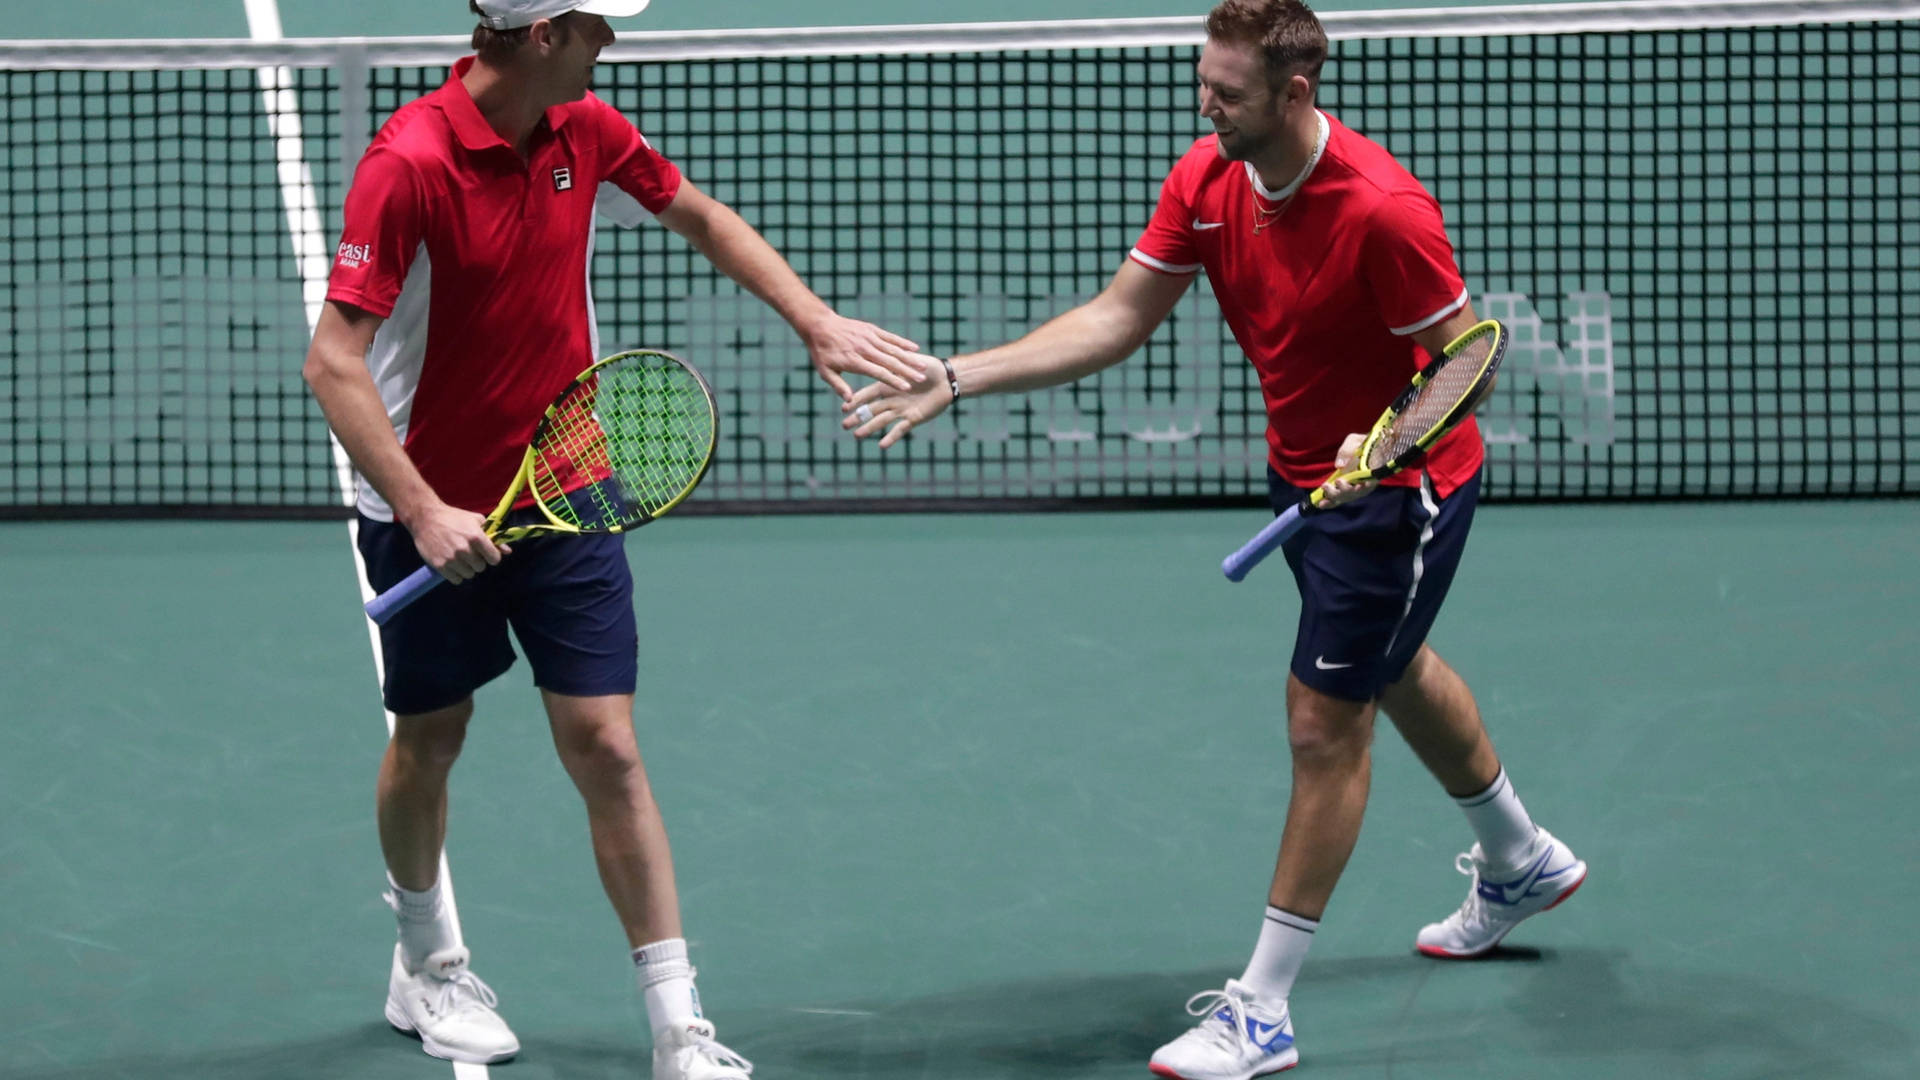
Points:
(477, 258)
(1321, 285)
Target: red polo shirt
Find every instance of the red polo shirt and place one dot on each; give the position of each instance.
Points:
(1322, 298)
(478, 260)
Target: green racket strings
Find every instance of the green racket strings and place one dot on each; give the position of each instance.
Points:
(626, 444)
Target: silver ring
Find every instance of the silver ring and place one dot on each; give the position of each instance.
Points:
(864, 413)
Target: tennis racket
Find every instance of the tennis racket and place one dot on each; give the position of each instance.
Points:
(1437, 400)
(625, 442)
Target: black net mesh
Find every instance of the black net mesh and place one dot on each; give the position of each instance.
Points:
(1705, 245)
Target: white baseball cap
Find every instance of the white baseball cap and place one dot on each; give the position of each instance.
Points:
(511, 14)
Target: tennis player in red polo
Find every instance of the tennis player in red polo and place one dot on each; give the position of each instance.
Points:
(1333, 269)
(458, 308)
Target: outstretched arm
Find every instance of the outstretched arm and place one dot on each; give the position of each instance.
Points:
(1094, 336)
(836, 343)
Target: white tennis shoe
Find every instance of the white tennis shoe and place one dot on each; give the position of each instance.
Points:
(1500, 899)
(449, 1009)
(1238, 1039)
(690, 1052)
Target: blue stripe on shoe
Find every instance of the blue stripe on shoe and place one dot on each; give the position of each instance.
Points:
(1268, 1037)
(1510, 893)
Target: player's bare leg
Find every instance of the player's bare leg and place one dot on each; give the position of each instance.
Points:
(1518, 869)
(1436, 714)
(596, 743)
(1246, 1028)
(1331, 739)
(431, 991)
(594, 737)
(412, 792)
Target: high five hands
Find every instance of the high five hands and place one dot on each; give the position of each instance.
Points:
(880, 407)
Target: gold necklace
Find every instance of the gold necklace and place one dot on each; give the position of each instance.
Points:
(1263, 217)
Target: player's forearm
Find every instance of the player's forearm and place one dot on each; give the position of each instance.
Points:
(1078, 343)
(741, 253)
(353, 409)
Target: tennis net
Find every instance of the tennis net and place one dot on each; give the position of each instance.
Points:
(1701, 224)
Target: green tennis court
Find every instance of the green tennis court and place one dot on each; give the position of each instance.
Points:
(986, 796)
(978, 796)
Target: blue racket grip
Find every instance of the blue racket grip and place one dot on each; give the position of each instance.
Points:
(1236, 565)
(388, 604)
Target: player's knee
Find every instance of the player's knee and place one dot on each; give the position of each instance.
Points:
(432, 741)
(603, 755)
(1327, 730)
(1328, 745)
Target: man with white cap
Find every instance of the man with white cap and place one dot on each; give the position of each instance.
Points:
(433, 381)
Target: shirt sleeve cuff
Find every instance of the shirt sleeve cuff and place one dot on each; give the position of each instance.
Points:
(355, 297)
(1161, 265)
(1454, 305)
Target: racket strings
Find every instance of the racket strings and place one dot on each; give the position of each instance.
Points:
(661, 427)
(570, 455)
(1432, 404)
(624, 445)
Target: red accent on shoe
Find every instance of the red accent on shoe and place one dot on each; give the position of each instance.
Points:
(1162, 1070)
(1562, 898)
(1435, 950)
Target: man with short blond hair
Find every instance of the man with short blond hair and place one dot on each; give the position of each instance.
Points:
(458, 308)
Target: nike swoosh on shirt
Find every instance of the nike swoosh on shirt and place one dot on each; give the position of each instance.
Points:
(1198, 224)
(1321, 663)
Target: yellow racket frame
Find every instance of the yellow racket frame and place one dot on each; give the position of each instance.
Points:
(1477, 392)
(523, 479)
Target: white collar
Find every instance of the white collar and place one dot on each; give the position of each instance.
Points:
(1319, 147)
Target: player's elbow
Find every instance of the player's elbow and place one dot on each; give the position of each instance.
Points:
(1122, 320)
(1123, 330)
(323, 371)
(316, 370)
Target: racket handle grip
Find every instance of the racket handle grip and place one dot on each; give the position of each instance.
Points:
(388, 604)
(1236, 565)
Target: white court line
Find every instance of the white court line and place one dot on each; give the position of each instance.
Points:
(281, 98)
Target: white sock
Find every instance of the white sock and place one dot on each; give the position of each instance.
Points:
(424, 926)
(666, 981)
(1500, 823)
(1282, 948)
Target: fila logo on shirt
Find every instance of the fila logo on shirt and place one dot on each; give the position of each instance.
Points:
(562, 179)
(353, 255)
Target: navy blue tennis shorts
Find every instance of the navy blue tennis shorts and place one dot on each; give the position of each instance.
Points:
(568, 599)
(1372, 575)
